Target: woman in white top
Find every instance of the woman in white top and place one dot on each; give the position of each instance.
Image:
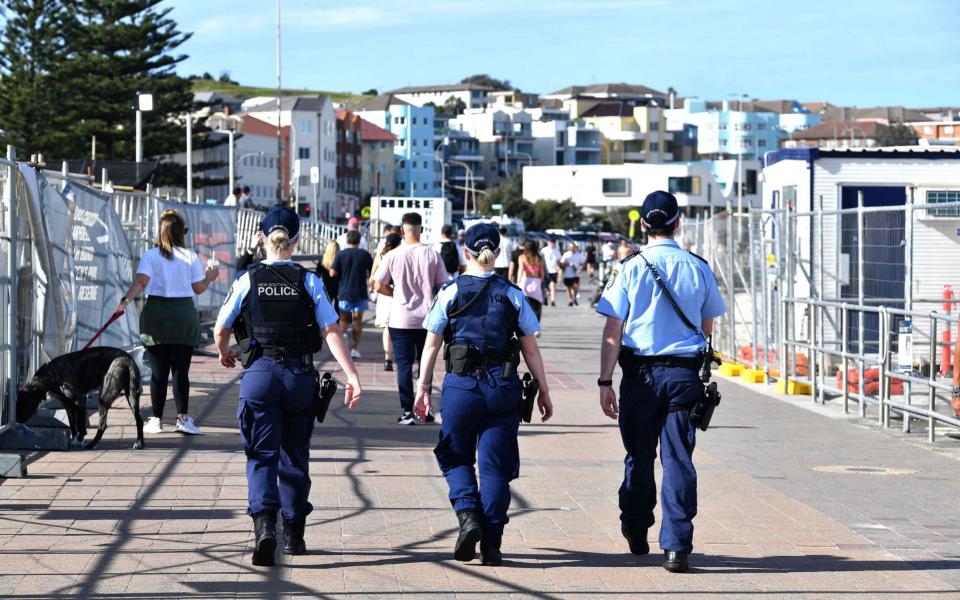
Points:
(169, 324)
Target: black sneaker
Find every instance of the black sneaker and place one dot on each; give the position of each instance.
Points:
(407, 418)
(569, 303)
(388, 365)
(553, 304)
(429, 418)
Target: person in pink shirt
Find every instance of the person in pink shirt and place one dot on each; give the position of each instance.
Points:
(410, 274)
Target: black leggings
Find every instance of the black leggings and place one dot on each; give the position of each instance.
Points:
(164, 359)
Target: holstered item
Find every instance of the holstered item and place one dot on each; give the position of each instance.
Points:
(629, 362)
(702, 411)
(513, 360)
(529, 388)
(326, 390)
(463, 359)
(458, 359)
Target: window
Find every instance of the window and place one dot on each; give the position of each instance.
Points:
(761, 126)
(927, 129)
(684, 185)
(654, 146)
(414, 186)
(762, 143)
(305, 126)
(654, 126)
(750, 181)
(616, 186)
(303, 153)
(942, 197)
(723, 126)
(948, 129)
(403, 163)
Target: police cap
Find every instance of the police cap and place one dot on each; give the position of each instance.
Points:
(281, 218)
(482, 236)
(659, 210)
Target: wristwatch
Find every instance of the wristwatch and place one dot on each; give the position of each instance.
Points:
(956, 391)
(125, 301)
(604, 382)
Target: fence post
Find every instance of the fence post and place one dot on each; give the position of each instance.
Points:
(812, 361)
(932, 391)
(884, 348)
(731, 283)
(13, 278)
(845, 341)
(753, 287)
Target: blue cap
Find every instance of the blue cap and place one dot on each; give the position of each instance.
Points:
(659, 210)
(480, 236)
(281, 218)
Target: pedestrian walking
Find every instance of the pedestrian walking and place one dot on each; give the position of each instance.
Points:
(352, 267)
(245, 201)
(591, 260)
(171, 275)
(331, 284)
(281, 315)
(477, 316)
(502, 263)
(530, 279)
(551, 262)
(415, 271)
(233, 197)
(353, 224)
(381, 317)
(660, 356)
(451, 252)
(572, 263)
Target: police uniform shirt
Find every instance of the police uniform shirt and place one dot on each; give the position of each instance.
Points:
(324, 311)
(651, 326)
(437, 319)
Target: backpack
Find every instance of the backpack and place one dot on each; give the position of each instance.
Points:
(450, 257)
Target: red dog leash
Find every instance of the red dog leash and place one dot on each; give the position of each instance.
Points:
(113, 318)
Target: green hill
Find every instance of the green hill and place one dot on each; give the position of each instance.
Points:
(250, 91)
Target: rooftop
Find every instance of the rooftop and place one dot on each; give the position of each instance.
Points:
(296, 103)
(381, 102)
(609, 89)
(452, 87)
(371, 133)
(838, 129)
(257, 126)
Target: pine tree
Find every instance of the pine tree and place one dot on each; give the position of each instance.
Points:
(32, 82)
(123, 47)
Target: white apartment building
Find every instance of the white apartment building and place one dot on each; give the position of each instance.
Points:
(505, 136)
(255, 157)
(313, 138)
(472, 95)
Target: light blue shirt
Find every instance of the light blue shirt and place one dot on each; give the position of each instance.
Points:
(437, 319)
(324, 311)
(651, 326)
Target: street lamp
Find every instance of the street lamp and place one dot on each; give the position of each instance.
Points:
(144, 104)
(226, 123)
(471, 185)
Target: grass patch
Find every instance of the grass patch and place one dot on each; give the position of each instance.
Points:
(251, 91)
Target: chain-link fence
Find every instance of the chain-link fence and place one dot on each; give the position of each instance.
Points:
(856, 303)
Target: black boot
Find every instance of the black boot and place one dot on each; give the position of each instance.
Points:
(675, 562)
(471, 530)
(490, 551)
(265, 528)
(636, 538)
(293, 538)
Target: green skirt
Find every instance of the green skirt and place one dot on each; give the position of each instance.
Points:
(169, 321)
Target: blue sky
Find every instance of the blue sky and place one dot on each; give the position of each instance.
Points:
(851, 52)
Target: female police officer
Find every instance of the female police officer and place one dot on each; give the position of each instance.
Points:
(477, 315)
(281, 314)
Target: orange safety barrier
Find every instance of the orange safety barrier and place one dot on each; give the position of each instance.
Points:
(872, 388)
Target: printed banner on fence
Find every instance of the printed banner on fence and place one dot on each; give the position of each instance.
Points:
(212, 235)
(93, 263)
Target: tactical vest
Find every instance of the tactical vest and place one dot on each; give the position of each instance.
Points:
(277, 318)
(488, 323)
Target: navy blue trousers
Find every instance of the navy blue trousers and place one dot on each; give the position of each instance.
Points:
(644, 422)
(481, 418)
(276, 416)
(407, 348)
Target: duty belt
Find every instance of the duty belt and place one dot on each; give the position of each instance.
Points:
(631, 363)
(276, 352)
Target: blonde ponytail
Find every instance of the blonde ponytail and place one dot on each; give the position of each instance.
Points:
(486, 257)
(278, 241)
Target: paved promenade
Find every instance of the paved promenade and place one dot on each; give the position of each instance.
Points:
(779, 516)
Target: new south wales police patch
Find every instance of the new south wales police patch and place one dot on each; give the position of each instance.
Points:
(613, 277)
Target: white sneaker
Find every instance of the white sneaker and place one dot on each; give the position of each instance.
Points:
(186, 425)
(153, 425)
(354, 353)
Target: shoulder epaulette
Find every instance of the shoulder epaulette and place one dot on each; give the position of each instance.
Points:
(698, 256)
(624, 261)
(448, 284)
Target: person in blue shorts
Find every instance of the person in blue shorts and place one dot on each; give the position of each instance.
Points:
(353, 266)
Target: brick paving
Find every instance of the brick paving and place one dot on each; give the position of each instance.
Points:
(775, 519)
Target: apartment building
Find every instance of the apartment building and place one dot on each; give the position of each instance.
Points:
(348, 153)
(417, 172)
(313, 138)
(377, 161)
(256, 159)
(472, 95)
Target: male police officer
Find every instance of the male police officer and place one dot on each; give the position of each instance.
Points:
(660, 357)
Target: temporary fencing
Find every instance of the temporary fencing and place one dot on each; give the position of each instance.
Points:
(68, 252)
(850, 304)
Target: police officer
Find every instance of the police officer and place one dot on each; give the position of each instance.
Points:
(660, 357)
(477, 315)
(280, 314)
